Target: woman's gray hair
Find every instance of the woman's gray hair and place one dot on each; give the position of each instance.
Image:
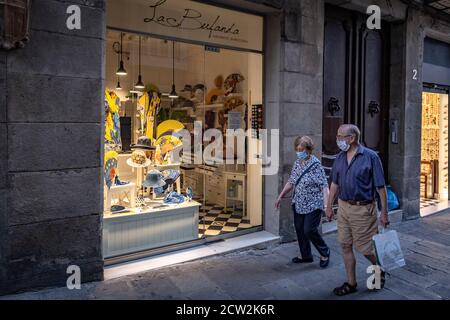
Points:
(306, 142)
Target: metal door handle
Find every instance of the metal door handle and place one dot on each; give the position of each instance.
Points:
(374, 108)
(333, 105)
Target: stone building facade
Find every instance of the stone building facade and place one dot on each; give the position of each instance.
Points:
(51, 126)
(51, 130)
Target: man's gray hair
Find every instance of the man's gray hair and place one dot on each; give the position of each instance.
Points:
(353, 130)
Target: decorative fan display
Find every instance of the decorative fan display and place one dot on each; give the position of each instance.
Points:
(214, 95)
(170, 176)
(111, 163)
(112, 120)
(168, 127)
(232, 81)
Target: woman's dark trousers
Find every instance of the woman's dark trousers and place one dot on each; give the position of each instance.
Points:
(307, 228)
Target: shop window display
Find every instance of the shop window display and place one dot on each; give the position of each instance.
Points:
(434, 151)
(152, 197)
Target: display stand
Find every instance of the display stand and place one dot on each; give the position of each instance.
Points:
(131, 232)
(128, 189)
(140, 171)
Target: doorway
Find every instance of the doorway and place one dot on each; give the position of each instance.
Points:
(356, 83)
(434, 184)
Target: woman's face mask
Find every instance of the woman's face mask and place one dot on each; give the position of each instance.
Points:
(302, 155)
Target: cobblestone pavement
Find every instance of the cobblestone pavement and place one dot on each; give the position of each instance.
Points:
(268, 274)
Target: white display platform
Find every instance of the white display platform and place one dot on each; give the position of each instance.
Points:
(131, 232)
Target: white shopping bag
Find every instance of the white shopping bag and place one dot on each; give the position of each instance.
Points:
(388, 250)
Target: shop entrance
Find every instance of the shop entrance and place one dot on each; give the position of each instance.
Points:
(182, 114)
(434, 184)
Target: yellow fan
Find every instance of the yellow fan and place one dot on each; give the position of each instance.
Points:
(166, 140)
(168, 127)
(111, 155)
(144, 100)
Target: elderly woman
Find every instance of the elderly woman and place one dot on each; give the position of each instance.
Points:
(310, 187)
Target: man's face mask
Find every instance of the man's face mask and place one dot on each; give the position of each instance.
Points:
(343, 145)
(341, 141)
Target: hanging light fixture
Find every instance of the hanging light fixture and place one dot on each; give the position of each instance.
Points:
(133, 91)
(173, 94)
(140, 84)
(121, 71)
(118, 87)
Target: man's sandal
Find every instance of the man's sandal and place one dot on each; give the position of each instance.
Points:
(345, 289)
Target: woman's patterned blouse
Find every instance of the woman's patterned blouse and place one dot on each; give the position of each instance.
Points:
(308, 195)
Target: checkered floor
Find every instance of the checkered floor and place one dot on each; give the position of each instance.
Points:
(215, 220)
(428, 202)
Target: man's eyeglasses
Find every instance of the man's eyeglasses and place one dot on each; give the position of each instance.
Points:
(343, 137)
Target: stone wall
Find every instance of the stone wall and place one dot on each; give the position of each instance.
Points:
(293, 94)
(51, 96)
(3, 163)
(406, 103)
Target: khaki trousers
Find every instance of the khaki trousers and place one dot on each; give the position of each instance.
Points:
(357, 225)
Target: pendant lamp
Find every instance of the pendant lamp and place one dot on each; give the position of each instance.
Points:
(121, 71)
(173, 94)
(140, 84)
(133, 91)
(118, 87)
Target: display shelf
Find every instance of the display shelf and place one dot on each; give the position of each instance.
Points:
(235, 199)
(128, 233)
(182, 108)
(157, 207)
(210, 106)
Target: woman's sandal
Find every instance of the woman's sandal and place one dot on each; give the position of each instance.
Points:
(345, 289)
(301, 260)
(324, 263)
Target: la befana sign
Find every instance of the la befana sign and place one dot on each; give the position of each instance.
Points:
(187, 20)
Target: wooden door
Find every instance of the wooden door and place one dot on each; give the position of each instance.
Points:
(356, 81)
(337, 79)
(373, 89)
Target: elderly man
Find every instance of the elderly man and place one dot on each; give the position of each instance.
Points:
(357, 176)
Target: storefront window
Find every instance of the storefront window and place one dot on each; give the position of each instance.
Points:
(153, 198)
(434, 153)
